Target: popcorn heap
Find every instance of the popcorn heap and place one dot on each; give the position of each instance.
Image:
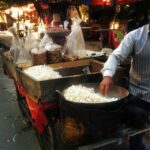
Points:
(42, 72)
(82, 94)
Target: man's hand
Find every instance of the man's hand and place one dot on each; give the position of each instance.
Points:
(106, 85)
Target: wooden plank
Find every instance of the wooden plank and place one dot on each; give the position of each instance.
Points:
(71, 63)
(10, 66)
(31, 86)
(96, 66)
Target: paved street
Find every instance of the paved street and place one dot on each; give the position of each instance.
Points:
(13, 132)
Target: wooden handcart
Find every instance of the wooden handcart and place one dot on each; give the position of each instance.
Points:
(40, 104)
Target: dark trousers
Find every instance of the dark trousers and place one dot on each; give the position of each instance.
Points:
(136, 141)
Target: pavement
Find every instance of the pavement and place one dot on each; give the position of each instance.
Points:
(13, 132)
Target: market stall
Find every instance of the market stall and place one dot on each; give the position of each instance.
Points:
(56, 80)
(41, 106)
(36, 96)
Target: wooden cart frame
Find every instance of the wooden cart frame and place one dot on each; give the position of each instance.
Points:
(48, 138)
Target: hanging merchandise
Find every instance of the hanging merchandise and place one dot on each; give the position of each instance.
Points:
(23, 56)
(101, 2)
(15, 44)
(45, 40)
(115, 37)
(75, 40)
(20, 47)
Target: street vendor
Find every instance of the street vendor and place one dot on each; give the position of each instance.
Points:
(137, 45)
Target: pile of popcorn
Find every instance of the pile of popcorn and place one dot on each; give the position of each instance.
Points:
(82, 94)
(42, 72)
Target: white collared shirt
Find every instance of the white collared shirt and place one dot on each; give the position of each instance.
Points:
(137, 45)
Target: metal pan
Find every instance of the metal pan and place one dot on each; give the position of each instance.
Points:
(118, 92)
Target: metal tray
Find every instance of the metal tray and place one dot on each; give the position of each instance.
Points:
(117, 92)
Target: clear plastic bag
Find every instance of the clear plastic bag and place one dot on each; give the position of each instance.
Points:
(14, 49)
(23, 56)
(35, 44)
(52, 46)
(75, 40)
(45, 40)
(20, 47)
(29, 40)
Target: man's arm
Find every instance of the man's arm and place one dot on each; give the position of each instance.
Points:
(119, 54)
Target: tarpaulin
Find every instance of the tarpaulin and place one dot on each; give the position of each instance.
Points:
(37, 110)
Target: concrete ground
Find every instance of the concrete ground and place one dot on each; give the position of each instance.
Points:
(13, 132)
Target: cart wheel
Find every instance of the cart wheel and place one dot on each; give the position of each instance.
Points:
(47, 139)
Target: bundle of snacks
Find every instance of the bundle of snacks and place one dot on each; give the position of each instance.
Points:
(82, 94)
(42, 72)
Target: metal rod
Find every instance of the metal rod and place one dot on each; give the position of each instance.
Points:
(98, 144)
(139, 132)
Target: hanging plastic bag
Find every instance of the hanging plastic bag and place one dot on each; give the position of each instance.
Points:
(24, 56)
(45, 40)
(29, 41)
(35, 44)
(14, 49)
(75, 40)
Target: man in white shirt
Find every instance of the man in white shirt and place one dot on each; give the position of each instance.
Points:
(137, 45)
